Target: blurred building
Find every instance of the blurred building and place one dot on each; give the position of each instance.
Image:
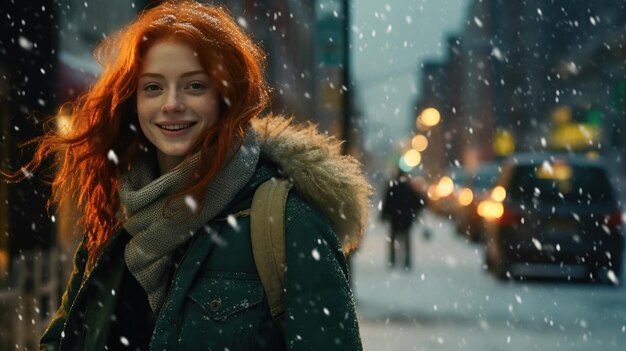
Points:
(27, 94)
(435, 94)
(536, 75)
(307, 51)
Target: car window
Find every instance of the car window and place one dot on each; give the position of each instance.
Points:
(562, 184)
(485, 178)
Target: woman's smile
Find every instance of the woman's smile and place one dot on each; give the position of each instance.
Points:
(176, 128)
(176, 100)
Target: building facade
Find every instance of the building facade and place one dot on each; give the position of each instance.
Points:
(549, 74)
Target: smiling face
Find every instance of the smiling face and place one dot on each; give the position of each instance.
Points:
(176, 100)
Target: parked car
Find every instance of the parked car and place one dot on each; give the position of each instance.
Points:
(475, 190)
(553, 214)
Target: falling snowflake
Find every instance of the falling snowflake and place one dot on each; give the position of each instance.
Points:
(547, 167)
(26, 173)
(497, 54)
(537, 243)
(25, 43)
(478, 22)
(232, 221)
(112, 157)
(484, 325)
(191, 203)
(124, 341)
(242, 22)
(315, 254)
(612, 277)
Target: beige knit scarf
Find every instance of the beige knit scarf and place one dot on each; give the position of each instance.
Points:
(155, 237)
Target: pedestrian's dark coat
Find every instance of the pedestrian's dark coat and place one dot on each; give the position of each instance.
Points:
(216, 300)
(401, 204)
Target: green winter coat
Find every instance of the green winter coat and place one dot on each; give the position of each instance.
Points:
(216, 300)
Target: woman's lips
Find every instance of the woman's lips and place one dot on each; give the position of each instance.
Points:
(175, 129)
(176, 126)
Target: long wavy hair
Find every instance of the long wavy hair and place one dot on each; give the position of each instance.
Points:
(100, 135)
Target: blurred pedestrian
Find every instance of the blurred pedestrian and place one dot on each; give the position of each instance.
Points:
(162, 156)
(402, 205)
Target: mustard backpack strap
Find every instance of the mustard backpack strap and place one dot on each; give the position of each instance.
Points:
(267, 233)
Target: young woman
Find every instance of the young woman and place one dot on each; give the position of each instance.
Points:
(162, 157)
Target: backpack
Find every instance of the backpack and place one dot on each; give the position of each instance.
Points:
(267, 234)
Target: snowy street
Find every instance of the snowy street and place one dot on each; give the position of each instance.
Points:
(448, 301)
(127, 126)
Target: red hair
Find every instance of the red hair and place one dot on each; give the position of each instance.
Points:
(103, 120)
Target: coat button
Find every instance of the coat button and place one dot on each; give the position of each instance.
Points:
(215, 305)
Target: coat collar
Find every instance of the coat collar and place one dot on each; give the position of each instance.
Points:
(327, 179)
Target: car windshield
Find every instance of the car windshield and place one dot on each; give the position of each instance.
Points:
(562, 183)
(485, 177)
(458, 176)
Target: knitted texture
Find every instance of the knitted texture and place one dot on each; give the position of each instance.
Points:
(155, 237)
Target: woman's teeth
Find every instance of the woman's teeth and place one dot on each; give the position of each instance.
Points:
(175, 127)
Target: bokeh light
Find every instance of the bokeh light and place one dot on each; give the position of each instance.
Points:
(419, 142)
(404, 167)
(466, 196)
(445, 186)
(412, 158)
(490, 209)
(498, 194)
(430, 117)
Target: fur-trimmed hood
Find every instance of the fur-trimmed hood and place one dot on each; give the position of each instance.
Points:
(332, 182)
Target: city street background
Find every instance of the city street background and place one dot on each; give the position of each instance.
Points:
(449, 302)
(436, 88)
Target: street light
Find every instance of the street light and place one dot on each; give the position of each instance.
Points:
(412, 158)
(430, 117)
(419, 142)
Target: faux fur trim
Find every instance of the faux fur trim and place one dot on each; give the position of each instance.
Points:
(332, 182)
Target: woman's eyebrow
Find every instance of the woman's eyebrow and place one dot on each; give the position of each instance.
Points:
(158, 75)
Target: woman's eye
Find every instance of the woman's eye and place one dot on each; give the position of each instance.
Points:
(151, 87)
(196, 86)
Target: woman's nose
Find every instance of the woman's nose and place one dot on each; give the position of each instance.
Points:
(173, 103)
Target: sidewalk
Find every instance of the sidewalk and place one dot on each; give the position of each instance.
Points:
(448, 302)
(398, 310)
